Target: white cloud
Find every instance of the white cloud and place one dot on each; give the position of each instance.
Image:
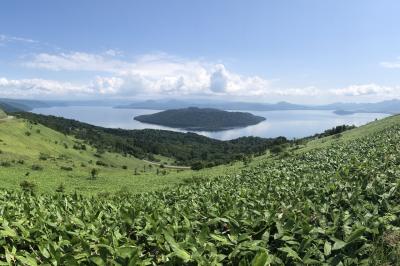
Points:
(366, 90)
(391, 64)
(113, 52)
(31, 87)
(157, 73)
(76, 61)
(160, 74)
(7, 39)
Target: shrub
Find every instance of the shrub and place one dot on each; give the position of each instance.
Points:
(60, 188)
(276, 149)
(27, 186)
(94, 173)
(37, 167)
(27, 133)
(79, 146)
(197, 166)
(43, 156)
(101, 163)
(66, 168)
(5, 164)
(124, 167)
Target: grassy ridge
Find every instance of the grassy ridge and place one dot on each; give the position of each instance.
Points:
(335, 204)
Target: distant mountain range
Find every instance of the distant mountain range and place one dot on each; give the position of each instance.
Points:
(389, 107)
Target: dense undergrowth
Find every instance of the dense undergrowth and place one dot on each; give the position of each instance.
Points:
(339, 205)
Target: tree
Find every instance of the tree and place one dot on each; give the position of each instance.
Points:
(197, 166)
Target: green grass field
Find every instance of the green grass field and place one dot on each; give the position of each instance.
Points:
(24, 145)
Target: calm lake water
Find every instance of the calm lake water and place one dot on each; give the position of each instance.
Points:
(291, 124)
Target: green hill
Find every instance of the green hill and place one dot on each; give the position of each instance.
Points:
(201, 119)
(35, 153)
(187, 149)
(333, 201)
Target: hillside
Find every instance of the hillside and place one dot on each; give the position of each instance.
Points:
(334, 202)
(187, 149)
(32, 152)
(201, 119)
(3, 115)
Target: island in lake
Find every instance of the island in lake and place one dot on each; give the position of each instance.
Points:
(201, 119)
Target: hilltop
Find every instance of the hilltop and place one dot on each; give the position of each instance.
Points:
(201, 119)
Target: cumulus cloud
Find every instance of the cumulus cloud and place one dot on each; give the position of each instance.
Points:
(156, 73)
(160, 74)
(219, 79)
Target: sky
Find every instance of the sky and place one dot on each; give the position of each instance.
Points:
(302, 51)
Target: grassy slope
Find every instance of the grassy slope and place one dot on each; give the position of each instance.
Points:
(2, 114)
(16, 145)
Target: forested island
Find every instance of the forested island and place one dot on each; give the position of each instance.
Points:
(201, 119)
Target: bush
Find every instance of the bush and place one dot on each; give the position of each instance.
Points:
(79, 146)
(27, 186)
(60, 188)
(124, 167)
(43, 156)
(27, 133)
(101, 163)
(276, 149)
(5, 164)
(21, 161)
(197, 166)
(66, 168)
(37, 167)
(94, 173)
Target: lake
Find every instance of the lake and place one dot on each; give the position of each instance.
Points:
(291, 124)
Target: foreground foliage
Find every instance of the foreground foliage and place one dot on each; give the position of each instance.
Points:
(334, 206)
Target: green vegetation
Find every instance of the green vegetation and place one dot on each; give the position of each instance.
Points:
(333, 202)
(186, 149)
(333, 131)
(201, 119)
(32, 152)
(3, 115)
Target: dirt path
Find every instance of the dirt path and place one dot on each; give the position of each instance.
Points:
(168, 166)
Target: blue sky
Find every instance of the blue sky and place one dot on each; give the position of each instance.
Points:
(301, 51)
